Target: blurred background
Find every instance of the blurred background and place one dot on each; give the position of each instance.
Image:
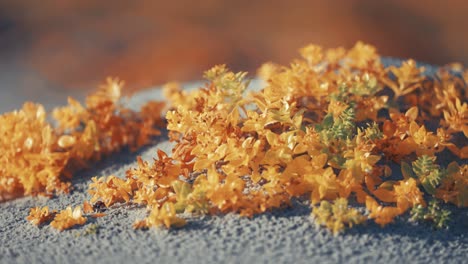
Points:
(51, 49)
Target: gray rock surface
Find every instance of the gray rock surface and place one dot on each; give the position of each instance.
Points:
(282, 236)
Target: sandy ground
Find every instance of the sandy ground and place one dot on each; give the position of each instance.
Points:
(283, 236)
(19, 84)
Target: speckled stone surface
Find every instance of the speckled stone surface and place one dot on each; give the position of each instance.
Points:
(282, 236)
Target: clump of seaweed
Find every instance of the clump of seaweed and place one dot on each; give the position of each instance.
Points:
(432, 213)
(327, 127)
(337, 215)
(40, 155)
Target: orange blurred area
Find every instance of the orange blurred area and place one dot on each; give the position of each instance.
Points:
(70, 45)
